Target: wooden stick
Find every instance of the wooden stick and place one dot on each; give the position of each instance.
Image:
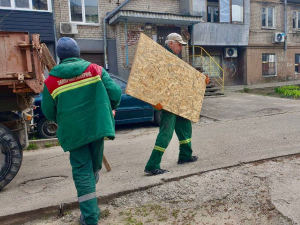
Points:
(106, 164)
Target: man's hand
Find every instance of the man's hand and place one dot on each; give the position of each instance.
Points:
(114, 112)
(207, 79)
(158, 106)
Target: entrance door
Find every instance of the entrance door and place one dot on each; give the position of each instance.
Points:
(163, 32)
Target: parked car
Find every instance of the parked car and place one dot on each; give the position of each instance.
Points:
(130, 110)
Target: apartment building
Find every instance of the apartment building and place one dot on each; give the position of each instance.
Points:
(107, 31)
(273, 53)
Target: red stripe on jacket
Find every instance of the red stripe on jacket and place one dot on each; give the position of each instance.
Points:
(53, 82)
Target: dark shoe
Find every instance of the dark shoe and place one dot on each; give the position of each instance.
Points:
(96, 177)
(81, 220)
(192, 159)
(156, 171)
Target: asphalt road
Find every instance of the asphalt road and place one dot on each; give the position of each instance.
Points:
(234, 129)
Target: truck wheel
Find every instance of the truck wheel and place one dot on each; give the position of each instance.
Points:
(46, 128)
(10, 156)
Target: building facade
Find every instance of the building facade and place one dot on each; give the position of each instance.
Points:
(273, 53)
(112, 43)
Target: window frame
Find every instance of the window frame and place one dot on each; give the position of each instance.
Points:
(297, 19)
(83, 15)
(230, 8)
(297, 64)
(275, 65)
(267, 18)
(13, 7)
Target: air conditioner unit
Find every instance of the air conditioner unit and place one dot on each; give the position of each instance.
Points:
(230, 52)
(68, 28)
(278, 38)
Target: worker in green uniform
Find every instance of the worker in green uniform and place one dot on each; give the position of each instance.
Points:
(170, 122)
(80, 97)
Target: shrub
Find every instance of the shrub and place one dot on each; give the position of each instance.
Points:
(290, 91)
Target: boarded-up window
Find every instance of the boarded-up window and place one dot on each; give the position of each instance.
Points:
(268, 64)
(93, 58)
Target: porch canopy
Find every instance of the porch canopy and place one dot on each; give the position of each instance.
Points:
(154, 18)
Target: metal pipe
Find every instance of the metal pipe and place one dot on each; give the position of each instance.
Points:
(126, 44)
(108, 16)
(193, 43)
(285, 25)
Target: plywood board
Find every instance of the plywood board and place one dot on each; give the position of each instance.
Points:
(158, 76)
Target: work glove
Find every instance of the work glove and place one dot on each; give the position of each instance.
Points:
(158, 106)
(207, 79)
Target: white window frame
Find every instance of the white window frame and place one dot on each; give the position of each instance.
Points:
(275, 61)
(274, 18)
(297, 17)
(83, 15)
(13, 7)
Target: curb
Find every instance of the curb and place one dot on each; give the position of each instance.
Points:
(45, 143)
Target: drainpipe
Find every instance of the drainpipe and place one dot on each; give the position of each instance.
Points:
(285, 25)
(108, 16)
(126, 44)
(193, 44)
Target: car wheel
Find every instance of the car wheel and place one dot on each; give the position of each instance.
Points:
(47, 128)
(157, 117)
(10, 156)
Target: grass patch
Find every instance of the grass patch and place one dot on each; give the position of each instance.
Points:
(48, 144)
(104, 214)
(32, 146)
(289, 91)
(292, 91)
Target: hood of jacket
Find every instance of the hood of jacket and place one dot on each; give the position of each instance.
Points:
(69, 68)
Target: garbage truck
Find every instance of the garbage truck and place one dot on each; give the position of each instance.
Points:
(23, 61)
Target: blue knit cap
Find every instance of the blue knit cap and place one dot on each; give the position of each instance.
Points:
(67, 48)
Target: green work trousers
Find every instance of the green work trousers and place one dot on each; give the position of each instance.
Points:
(85, 162)
(183, 129)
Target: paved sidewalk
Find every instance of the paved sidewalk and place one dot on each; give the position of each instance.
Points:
(263, 85)
(236, 128)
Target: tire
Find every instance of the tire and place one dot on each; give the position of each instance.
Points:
(46, 128)
(11, 156)
(157, 117)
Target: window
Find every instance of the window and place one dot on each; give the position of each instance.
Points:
(296, 20)
(212, 14)
(237, 11)
(84, 11)
(268, 64)
(297, 63)
(267, 17)
(225, 11)
(36, 5)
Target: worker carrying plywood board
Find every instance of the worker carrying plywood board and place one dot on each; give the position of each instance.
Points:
(162, 79)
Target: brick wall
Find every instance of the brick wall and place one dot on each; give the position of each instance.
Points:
(134, 29)
(96, 31)
(263, 37)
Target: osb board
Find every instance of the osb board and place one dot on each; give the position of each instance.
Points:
(158, 76)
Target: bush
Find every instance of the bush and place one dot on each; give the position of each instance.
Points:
(290, 91)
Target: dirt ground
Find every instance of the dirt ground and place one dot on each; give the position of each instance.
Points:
(246, 194)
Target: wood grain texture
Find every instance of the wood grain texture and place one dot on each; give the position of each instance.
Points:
(158, 76)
